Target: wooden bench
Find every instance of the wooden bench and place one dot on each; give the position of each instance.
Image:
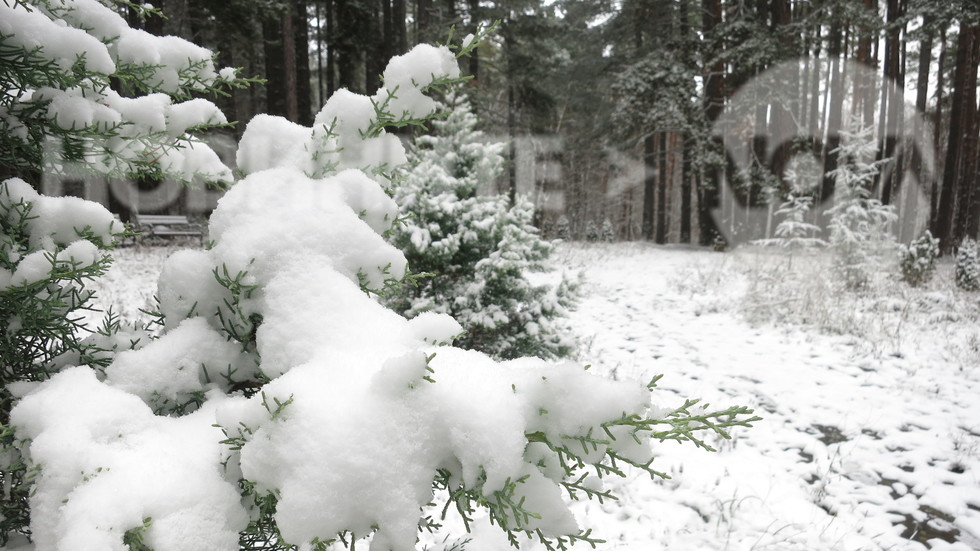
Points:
(166, 225)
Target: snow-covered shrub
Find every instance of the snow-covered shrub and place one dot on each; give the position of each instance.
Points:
(917, 260)
(84, 94)
(86, 90)
(50, 249)
(282, 405)
(608, 234)
(591, 231)
(475, 249)
(859, 224)
(563, 228)
(968, 265)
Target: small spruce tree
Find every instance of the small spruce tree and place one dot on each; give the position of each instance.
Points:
(563, 228)
(474, 250)
(608, 234)
(859, 223)
(591, 232)
(794, 233)
(917, 260)
(968, 266)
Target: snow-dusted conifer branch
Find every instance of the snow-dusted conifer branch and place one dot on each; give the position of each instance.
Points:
(87, 91)
(338, 418)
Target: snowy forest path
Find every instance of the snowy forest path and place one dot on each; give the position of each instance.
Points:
(857, 450)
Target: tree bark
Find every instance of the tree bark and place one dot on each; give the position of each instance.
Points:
(331, 13)
(289, 90)
(475, 20)
(966, 226)
(709, 191)
(958, 130)
(925, 179)
(664, 183)
(892, 101)
(399, 15)
(275, 74)
(938, 133)
(649, 186)
(835, 105)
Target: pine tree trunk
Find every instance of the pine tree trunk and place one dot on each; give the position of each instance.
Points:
(863, 85)
(685, 203)
(649, 186)
(709, 192)
(349, 29)
(814, 120)
(275, 71)
(835, 105)
(374, 50)
(331, 38)
(664, 182)
(399, 15)
(938, 133)
(289, 66)
(967, 185)
(892, 102)
(475, 20)
(424, 32)
(958, 130)
(925, 179)
(782, 111)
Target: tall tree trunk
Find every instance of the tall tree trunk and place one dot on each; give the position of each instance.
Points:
(863, 84)
(649, 186)
(835, 106)
(814, 120)
(958, 130)
(331, 38)
(275, 70)
(424, 22)
(399, 16)
(374, 50)
(475, 20)
(685, 208)
(289, 64)
(714, 95)
(664, 183)
(967, 184)
(925, 179)
(782, 111)
(349, 29)
(938, 134)
(892, 101)
(320, 90)
(387, 31)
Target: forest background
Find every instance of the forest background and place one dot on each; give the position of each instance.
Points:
(676, 120)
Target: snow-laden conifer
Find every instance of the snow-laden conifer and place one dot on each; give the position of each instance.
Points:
(86, 91)
(968, 265)
(917, 260)
(283, 407)
(84, 94)
(859, 223)
(474, 250)
(591, 231)
(608, 234)
(563, 228)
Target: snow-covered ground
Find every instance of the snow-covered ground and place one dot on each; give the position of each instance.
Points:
(871, 405)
